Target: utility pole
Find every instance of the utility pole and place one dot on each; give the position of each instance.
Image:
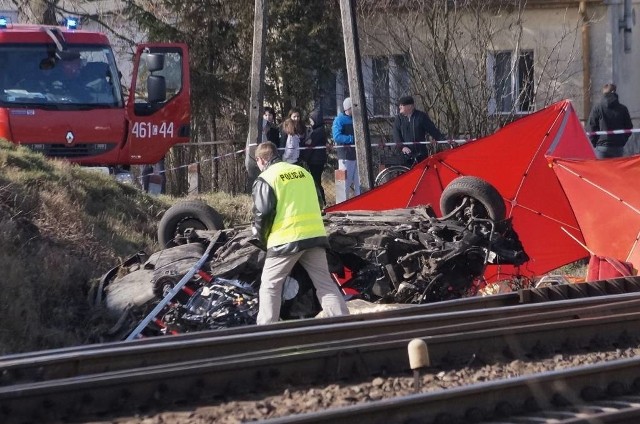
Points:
(257, 88)
(356, 90)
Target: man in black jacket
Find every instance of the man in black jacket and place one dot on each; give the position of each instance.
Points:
(609, 115)
(412, 125)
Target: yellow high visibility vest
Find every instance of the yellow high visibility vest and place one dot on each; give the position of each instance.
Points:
(298, 215)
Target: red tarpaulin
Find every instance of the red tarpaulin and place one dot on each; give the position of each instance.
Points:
(606, 201)
(513, 161)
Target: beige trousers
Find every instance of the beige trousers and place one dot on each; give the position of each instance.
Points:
(275, 272)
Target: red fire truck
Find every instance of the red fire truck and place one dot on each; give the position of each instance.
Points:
(61, 95)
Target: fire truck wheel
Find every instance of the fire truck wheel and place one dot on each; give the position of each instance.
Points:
(187, 214)
(481, 194)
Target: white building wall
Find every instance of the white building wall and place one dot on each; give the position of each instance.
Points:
(611, 63)
(555, 36)
(8, 12)
(601, 45)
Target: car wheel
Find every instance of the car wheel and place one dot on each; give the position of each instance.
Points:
(390, 173)
(187, 214)
(301, 301)
(480, 192)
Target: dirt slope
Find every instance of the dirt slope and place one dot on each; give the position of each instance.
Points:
(61, 227)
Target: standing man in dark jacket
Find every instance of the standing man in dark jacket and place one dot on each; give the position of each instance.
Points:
(287, 221)
(608, 115)
(315, 155)
(412, 125)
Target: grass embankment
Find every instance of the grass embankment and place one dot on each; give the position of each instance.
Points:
(61, 228)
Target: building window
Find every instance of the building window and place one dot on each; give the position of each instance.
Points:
(328, 95)
(386, 79)
(511, 76)
(380, 85)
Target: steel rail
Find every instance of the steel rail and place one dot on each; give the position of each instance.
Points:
(556, 396)
(305, 364)
(625, 410)
(123, 356)
(494, 301)
(525, 296)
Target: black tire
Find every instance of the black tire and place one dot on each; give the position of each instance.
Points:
(484, 193)
(187, 214)
(305, 304)
(390, 173)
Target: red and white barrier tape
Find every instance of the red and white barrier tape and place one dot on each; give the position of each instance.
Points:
(610, 132)
(390, 144)
(335, 146)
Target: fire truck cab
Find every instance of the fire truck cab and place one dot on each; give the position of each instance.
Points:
(61, 95)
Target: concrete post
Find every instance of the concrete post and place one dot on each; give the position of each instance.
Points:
(193, 174)
(155, 184)
(341, 186)
(357, 94)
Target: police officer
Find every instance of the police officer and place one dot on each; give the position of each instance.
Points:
(287, 222)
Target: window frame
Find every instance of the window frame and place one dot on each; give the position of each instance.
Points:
(521, 69)
(396, 81)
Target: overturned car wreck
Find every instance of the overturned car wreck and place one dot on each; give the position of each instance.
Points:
(397, 256)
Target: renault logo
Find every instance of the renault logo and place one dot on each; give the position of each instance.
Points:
(69, 137)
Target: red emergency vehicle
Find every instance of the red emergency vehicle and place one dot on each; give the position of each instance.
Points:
(61, 95)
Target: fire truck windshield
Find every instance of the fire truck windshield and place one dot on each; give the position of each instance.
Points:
(38, 76)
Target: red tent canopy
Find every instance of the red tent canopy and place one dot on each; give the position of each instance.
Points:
(513, 161)
(606, 201)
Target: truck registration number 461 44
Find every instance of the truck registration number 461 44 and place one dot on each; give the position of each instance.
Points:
(150, 129)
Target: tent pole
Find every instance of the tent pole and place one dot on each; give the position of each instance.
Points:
(577, 241)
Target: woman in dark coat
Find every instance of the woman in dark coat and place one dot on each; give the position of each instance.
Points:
(314, 153)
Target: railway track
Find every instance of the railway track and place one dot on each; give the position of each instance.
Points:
(601, 393)
(528, 296)
(57, 385)
(488, 312)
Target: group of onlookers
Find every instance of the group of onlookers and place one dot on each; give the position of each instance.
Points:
(299, 144)
(304, 145)
(410, 128)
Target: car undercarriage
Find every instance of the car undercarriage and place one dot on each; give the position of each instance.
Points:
(399, 256)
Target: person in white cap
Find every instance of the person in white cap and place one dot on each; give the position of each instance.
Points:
(342, 131)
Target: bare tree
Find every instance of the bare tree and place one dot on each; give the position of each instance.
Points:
(36, 11)
(471, 63)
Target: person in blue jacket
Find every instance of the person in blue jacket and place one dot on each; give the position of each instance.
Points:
(342, 131)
